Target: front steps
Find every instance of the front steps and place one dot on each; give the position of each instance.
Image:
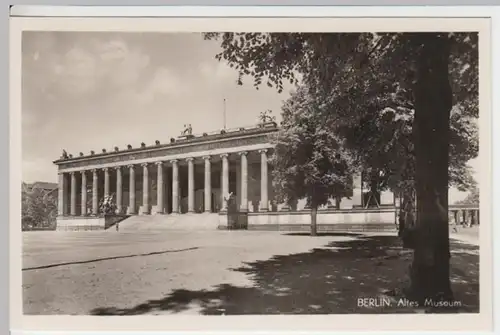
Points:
(159, 222)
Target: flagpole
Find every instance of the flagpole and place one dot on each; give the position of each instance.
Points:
(224, 111)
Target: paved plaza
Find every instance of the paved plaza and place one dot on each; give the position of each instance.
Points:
(223, 272)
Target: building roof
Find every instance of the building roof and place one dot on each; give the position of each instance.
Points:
(268, 127)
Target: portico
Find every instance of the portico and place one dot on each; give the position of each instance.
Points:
(188, 175)
(193, 174)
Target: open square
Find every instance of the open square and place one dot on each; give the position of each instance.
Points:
(225, 272)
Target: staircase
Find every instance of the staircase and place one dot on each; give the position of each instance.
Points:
(191, 221)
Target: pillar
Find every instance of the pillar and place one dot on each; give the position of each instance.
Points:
(264, 198)
(190, 185)
(160, 186)
(106, 182)
(386, 198)
(84, 193)
(73, 194)
(357, 192)
(61, 195)
(119, 189)
(145, 189)
(208, 185)
(244, 182)
(225, 181)
(175, 186)
(131, 191)
(95, 195)
(237, 197)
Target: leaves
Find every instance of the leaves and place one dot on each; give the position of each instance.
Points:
(308, 160)
(362, 85)
(39, 207)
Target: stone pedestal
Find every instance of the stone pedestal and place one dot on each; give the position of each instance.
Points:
(145, 209)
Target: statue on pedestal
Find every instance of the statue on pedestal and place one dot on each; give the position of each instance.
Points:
(188, 130)
(266, 117)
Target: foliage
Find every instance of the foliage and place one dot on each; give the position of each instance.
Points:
(364, 82)
(308, 160)
(471, 199)
(354, 75)
(38, 208)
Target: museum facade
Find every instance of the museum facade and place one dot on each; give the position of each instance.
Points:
(194, 174)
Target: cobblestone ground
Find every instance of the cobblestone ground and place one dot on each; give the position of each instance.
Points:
(221, 272)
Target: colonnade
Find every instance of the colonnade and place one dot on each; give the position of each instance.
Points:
(145, 208)
(469, 216)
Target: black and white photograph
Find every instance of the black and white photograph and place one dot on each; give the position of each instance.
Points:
(247, 172)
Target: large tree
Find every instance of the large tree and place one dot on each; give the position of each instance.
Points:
(308, 160)
(421, 65)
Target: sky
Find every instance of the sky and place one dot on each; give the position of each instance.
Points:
(85, 91)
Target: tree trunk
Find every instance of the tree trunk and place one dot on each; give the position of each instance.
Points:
(430, 270)
(338, 199)
(314, 213)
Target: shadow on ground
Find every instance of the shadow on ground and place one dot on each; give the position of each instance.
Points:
(326, 280)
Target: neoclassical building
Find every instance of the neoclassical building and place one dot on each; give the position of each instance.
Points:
(195, 174)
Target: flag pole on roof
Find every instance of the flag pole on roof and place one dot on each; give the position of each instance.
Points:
(224, 115)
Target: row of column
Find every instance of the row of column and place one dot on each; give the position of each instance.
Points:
(465, 216)
(145, 208)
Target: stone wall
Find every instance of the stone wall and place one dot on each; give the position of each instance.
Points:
(382, 219)
(88, 223)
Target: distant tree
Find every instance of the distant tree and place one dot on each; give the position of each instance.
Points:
(421, 65)
(38, 208)
(471, 199)
(308, 160)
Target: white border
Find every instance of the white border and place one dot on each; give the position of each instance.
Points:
(252, 11)
(468, 322)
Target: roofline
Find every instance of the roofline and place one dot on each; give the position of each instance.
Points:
(265, 128)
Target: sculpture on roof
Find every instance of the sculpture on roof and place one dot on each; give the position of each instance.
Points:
(188, 130)
(64, 154)
(266, 116)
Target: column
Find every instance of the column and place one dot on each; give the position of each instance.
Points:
(95, 196)
(61, 195)
(208, 185)
(237, 195)
(264, 199)
(175, 186)
(244, 182)
(73, 194)
(190, 185)
(159, 188)
(225, 181)
(119, 189)
(145, 188)
(131, 190)
(84, 193)
(106, 182)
